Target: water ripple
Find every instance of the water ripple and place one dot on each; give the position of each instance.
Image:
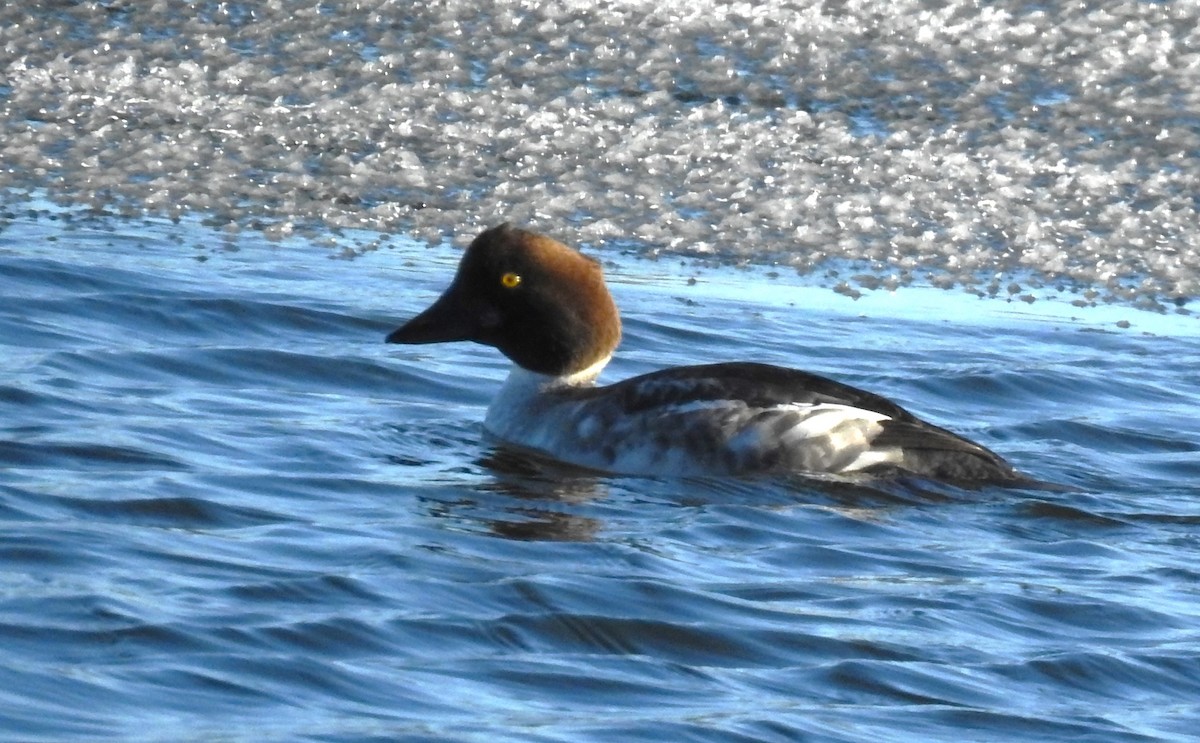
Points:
(231, 512)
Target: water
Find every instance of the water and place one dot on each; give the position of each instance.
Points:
(230, 511)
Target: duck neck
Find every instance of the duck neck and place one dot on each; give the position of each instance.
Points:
(523, 382)
(522, 393)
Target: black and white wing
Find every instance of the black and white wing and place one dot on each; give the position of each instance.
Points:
(743, 417)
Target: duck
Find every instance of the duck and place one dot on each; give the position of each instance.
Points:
(546, 307)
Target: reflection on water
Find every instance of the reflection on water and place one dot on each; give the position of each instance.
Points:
(541, 483)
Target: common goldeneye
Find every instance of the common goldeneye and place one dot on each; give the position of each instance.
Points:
(545, 307)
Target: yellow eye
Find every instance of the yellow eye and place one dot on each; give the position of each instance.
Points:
(510, 280)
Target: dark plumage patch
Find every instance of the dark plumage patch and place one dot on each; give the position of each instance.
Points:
(757, 385)
(935, 452)
(928, 450)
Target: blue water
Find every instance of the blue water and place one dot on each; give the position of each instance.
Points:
(231, 512)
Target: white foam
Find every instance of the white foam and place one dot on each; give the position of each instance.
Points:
(966, 141)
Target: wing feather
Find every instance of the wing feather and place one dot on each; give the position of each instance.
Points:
(745, 417)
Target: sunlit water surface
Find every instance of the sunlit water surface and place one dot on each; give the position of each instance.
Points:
(230, 511)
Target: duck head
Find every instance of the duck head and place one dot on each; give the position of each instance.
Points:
(542, 304)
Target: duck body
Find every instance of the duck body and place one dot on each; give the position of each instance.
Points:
(731, 419)
(546, 307)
